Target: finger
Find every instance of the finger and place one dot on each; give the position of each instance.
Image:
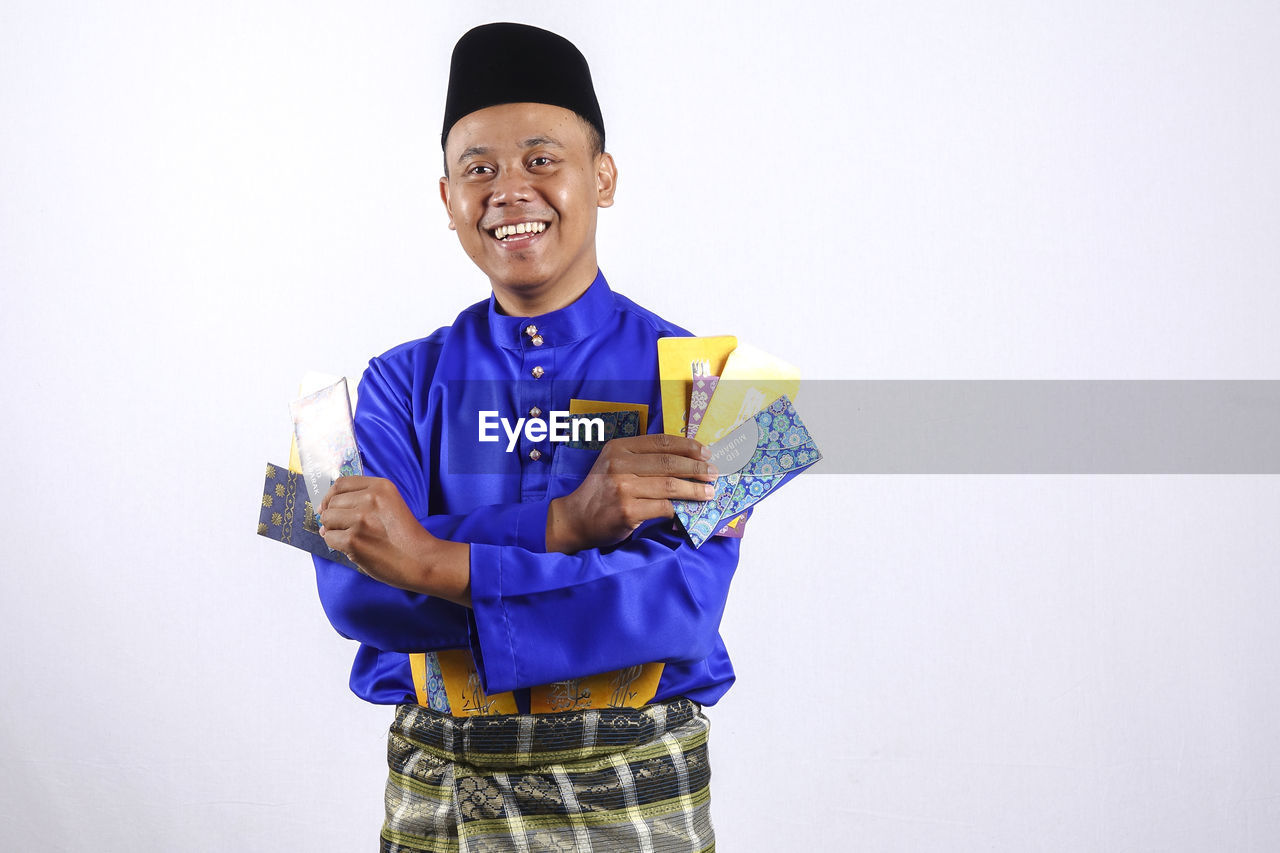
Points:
(668, 465)
(341, 540)
(349, 495)
(337, 518)
(662, 443)
(352, 483)
(345, 500)
(336, 488)
(338, 540)
(669, 489)
(650, 509)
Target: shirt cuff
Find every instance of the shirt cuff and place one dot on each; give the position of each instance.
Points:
(531, 526)
(489, 628)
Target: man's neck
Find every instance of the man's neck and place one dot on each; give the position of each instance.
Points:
(535, 302)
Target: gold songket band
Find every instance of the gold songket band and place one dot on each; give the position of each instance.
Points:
(447, 681)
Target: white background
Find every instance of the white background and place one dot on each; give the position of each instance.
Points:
(198, 202)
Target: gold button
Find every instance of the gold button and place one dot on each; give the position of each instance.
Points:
(537, 372)
(535, 454)
(535, 412)
(537, 340)
(531, 330)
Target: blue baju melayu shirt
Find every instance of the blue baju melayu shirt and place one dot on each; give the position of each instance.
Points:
(537, 617)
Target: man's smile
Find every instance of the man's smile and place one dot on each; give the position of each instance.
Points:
(518, 232)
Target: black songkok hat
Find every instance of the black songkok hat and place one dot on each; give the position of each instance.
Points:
(515, 63)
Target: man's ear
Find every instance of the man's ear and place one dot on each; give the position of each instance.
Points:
(606, 180)
(444, 197)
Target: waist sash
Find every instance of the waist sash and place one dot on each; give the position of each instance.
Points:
(589, 780)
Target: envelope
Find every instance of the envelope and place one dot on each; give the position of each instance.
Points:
(590, 407)
(756, 459)
(586, 436)
(675, 356)
(287, 515)
(326, 438)
(750, 380)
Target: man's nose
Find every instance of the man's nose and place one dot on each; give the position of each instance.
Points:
(510, 186)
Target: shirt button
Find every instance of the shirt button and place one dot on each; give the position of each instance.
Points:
(535, 454)
(537, 372)
(535, 412)
(531, 330)
(537, 340)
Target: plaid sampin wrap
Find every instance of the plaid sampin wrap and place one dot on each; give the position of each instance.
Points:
(589, 781)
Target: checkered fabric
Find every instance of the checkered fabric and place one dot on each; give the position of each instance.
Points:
(595, 780)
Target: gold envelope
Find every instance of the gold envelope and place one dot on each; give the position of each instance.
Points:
(675, 369)
(751, 380)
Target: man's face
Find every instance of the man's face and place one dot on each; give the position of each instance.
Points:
(522, 192)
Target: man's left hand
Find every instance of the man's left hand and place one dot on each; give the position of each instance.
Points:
(368, 520)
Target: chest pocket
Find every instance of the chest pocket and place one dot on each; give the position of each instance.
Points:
(569, 467)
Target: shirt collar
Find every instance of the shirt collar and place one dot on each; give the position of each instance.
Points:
(573, 322)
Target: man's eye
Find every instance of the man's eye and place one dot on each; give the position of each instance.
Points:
(540, 161)
(479, 170)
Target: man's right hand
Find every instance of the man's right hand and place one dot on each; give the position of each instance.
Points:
(633, 480)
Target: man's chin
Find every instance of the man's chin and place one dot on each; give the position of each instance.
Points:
(517, 270)
(520, 285)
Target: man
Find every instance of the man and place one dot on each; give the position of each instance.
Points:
(548, 635)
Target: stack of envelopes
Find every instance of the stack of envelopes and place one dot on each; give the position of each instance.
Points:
(738, 400)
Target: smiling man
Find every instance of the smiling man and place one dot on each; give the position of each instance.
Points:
(523, 186)
(547, 635)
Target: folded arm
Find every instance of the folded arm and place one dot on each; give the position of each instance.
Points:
(589, 582)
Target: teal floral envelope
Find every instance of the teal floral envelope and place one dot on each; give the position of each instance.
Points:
(754, 459)
(615, 425)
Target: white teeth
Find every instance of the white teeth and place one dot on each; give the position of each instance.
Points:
(504, 231)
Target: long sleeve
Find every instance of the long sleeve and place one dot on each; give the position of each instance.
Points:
(391, 619)
(546, 617)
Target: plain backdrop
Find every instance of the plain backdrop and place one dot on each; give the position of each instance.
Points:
(201, 201)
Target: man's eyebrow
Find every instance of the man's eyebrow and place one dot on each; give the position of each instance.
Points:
(531, 142)
(535, 141)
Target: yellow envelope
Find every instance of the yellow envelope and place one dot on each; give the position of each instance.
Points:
(675, 369)
(751, 380)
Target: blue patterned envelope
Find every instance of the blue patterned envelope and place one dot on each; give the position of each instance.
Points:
(287, 515)
(755, 458)
(616, 425)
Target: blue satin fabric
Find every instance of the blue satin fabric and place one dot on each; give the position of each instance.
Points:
(537, 617)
